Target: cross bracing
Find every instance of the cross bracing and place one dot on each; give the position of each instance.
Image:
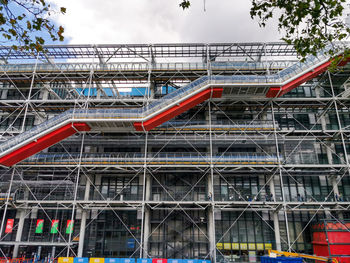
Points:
(241, 170)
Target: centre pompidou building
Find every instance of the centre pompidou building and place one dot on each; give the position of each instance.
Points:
(210, 151)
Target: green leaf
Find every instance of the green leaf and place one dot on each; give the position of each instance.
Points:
(27, 30)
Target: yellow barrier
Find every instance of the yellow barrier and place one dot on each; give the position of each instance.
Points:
(65, 260)
(243, 246)
(97, 260)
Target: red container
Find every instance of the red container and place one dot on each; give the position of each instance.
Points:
(332, 239)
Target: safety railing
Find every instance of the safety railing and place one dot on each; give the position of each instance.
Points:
(180, 193)
(50, 193)
(36, 130)
(236, 193)
(216, 124)
(151, 157)
(138, 66)
(125, 193)
(192, 88)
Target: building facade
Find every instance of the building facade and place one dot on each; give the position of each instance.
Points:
(222, 176)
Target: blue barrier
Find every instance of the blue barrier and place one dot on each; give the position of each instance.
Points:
(144, 260)
(126, 260)
(203, 261)
(81, 260)
(174, 260)
(189, 261)
(111, 260)
(266, 259)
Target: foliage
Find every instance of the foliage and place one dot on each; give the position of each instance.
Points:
(185, 4)
(24, 22)
(309, 25)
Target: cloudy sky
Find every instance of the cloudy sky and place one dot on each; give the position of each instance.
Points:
(161, 21)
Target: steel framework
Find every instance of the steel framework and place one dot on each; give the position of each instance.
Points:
(226, 180)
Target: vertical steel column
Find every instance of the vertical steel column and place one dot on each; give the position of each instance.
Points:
(76, 192)
(276, 225)
(211, 210)
(151, 88)
(83, 219)
(143, 252)
(145, 219)
(281, 178)
(146, 231)
(329, 153)
(211, 219)
(334, 185)
(272, 188)
(267, 66)
(22, 215)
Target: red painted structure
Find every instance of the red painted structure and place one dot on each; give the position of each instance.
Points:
(279, 91)
(332, 239)
(178, 109)
(42, 143)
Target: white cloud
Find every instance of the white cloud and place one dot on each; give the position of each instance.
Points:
(160, 21)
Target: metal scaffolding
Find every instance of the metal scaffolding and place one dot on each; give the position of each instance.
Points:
(225, 180)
